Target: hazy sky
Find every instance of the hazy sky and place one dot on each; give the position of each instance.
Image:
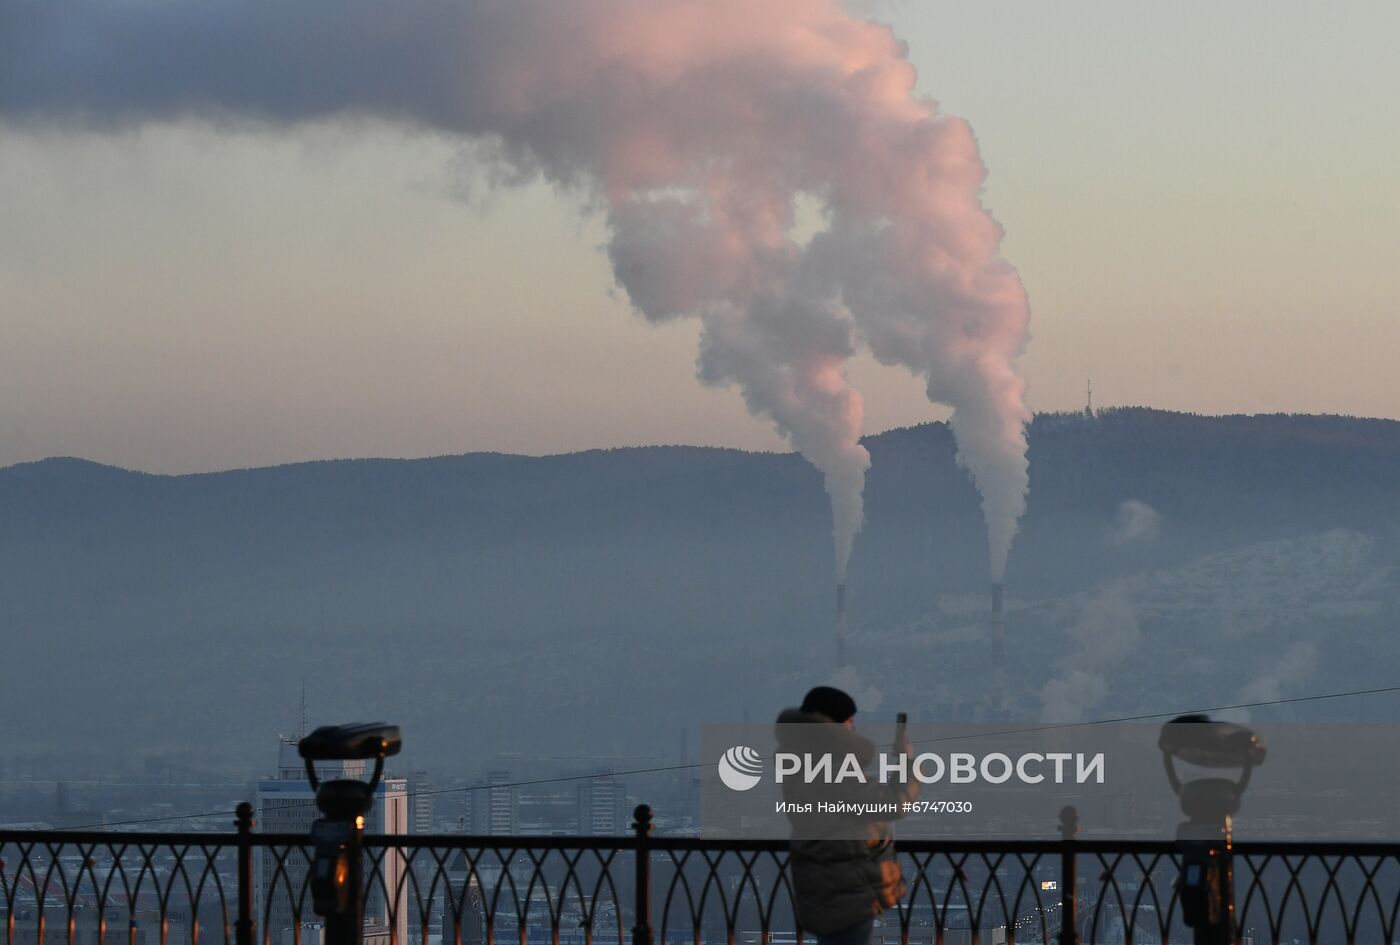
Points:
(1201, 199)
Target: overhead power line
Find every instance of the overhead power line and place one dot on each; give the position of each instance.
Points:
(1292, 700)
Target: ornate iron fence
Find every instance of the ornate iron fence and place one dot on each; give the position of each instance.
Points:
(246, 888)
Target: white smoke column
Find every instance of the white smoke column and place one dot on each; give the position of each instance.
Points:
(694, 124)
(1105, 633)
(931, 293)
(1293, 667)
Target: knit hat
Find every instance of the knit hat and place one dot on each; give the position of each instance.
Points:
(830, 702)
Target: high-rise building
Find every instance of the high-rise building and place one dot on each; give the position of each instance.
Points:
(287, 804)
(420, 822)
(502, 804)
(602, 807)
(420, 803)
(476, 807)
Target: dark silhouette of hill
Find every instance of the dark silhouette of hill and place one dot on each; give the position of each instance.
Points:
(596, 601)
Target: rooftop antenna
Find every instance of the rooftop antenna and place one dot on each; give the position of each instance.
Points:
(1089, 393)
(302, 731)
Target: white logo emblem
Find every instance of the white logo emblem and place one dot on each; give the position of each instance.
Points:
(740, 768)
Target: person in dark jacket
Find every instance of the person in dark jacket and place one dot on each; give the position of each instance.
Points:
(843, 866)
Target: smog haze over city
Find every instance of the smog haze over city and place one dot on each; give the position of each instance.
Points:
(535, 376)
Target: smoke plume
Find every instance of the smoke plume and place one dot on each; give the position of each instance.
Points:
(1105, 633)
(1136, 521)
(694, 125)
(1277, 674)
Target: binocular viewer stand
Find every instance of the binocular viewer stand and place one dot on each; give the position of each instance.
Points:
(337, 866)
(1207, 881)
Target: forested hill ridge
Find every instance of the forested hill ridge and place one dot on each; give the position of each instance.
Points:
(491, 602)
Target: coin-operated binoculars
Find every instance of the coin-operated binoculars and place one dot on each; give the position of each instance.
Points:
(337, 867)
(1207, 881)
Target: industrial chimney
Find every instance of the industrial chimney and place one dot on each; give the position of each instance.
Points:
(840, 625)
(998, 675)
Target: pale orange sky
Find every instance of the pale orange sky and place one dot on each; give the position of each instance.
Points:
(1202, 204)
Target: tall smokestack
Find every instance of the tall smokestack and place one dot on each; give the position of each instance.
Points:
(998, 680)
(840, 625)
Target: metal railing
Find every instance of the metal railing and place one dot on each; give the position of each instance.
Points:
(246, 888)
